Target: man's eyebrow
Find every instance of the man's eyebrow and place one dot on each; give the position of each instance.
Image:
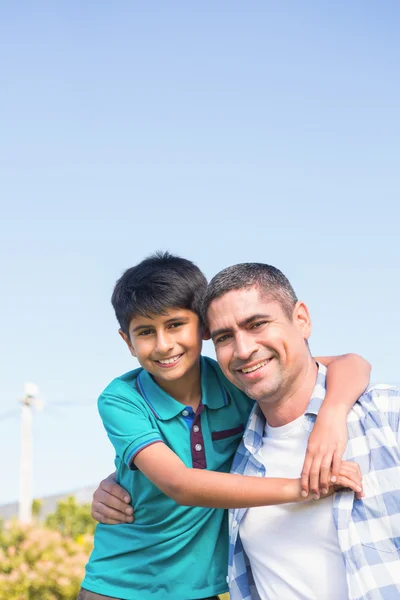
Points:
(243, 323)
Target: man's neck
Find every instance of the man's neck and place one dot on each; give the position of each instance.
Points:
(293, 403)
(187, 389)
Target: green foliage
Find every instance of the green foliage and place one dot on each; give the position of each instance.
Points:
(71, 519)
(39, 564)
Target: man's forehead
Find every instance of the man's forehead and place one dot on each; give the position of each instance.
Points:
(242, 301)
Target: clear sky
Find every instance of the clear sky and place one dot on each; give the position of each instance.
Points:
(222, 131)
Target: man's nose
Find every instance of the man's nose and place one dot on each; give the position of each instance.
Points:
(245, 347)
(164, 342)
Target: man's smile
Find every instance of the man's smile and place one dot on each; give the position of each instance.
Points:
(248, 370)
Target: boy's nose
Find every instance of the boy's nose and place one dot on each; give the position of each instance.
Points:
(164, 343)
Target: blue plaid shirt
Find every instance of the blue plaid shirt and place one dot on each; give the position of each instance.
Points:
(368, 529)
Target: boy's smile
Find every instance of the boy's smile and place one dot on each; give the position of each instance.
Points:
(166, 345)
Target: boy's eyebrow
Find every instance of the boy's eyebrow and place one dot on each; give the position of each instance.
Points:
(243, 323)
(146, 326)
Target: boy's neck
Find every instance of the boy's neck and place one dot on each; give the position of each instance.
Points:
(187, 389)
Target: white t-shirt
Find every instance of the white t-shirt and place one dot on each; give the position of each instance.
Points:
(293, 548)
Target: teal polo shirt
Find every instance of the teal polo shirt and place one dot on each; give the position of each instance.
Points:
(170, 552)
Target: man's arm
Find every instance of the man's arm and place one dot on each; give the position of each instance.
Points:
(347, 378)
(111, 503)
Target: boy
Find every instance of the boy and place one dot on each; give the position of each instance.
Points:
(173, 423)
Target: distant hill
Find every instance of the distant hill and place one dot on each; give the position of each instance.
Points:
(49, 503)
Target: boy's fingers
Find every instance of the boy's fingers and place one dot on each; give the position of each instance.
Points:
(305, 474)
(344, 481)
(324, 476)
(336, 464)
(314, 476)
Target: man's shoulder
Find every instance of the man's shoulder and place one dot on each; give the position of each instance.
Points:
(382, 398)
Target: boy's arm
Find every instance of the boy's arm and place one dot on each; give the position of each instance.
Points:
(199, 487)
(347, 377)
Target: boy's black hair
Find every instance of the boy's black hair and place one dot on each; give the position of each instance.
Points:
(159, 282)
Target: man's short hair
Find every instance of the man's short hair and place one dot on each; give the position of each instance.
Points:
(270, 280)
(159, 282)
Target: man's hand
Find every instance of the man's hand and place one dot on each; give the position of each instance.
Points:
(111, 503)
(326, 446)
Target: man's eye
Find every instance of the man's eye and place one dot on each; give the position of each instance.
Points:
(222, 338)
(257, 324)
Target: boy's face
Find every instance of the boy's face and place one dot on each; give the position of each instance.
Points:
(167, 346)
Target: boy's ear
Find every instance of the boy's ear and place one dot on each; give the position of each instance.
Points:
(206, 334)
(127, 342)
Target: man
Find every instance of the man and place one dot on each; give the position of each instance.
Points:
(334, 549)
(339, 547)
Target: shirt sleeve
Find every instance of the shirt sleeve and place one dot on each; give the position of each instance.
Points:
(127, 422)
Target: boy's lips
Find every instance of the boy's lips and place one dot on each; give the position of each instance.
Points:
(167, 363)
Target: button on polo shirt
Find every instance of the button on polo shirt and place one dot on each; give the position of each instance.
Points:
(151, 558)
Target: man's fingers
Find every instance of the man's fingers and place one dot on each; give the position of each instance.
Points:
(112, 501)
(98, 516)
(305, 475)
(105, 514)
(108, 485)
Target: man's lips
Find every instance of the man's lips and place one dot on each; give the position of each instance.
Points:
(253, 368)
(167, 363)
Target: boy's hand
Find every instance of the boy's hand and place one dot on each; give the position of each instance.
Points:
(326, 446)
(111, 503)
(349, 477)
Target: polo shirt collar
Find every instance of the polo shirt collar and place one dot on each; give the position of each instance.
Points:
(254, 433)
(164, 407)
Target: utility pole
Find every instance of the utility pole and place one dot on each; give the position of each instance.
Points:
(25, 491)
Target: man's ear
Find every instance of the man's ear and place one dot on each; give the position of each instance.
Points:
(127, 342)
(206, 334)
(302, 319)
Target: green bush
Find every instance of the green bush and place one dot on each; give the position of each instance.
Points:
(37, 563)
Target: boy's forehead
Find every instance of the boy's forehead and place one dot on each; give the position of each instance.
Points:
(170, 312)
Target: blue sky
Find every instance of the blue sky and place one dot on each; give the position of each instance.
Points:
(225, 132)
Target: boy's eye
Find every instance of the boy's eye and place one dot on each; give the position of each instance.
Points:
(175, 325)
(146, 332)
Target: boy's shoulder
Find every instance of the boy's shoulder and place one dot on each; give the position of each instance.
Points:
(234, 392)
(123, 385)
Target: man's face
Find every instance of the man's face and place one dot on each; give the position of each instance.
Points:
(168, 346)
(259, 349)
